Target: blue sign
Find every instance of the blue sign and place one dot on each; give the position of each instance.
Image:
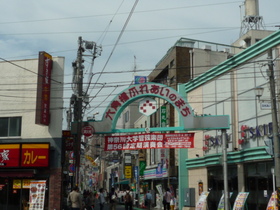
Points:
(140, 79)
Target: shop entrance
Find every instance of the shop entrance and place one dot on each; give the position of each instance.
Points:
(259, 184)
(13, 197)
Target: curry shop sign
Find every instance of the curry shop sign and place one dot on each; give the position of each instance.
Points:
(24, 155)
(153, 90)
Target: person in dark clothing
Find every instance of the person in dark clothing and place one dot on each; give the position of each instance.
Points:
(128, 201)
(113, 199)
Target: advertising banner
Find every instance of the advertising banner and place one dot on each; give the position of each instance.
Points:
(221, 205)
(240, 201)
(272, 204)
(37, 195)
(148, 141)
(201, 201)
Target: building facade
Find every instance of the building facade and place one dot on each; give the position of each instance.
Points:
(31, 145)
(228, 89)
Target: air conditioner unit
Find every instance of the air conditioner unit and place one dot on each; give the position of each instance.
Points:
(206, 47)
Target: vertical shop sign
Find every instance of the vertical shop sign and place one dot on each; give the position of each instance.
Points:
(43, 89)
(142, 167)
(163, 116)
(37, 195)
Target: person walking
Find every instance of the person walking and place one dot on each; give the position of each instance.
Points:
(113, 199)
(75, 199)
(90, 201)
(128, 201)
(148, 199)
(101, 198)
(166, 199)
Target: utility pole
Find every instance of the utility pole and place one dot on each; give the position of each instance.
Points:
(79, 109)
(79, 97)
(274, 125)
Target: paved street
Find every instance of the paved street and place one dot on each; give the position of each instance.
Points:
(119, 207)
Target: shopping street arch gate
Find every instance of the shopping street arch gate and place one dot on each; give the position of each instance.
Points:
(188, 120)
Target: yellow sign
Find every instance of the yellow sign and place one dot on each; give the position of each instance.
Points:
(17, 184)
(26, 183)
(128, 172)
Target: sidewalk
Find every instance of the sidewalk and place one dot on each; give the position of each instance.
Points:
(118, 207)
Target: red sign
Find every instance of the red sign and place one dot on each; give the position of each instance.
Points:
(43, 89)
(9, 155)
(35, 155)
(88, 130)
(68, 140)
(149, 141)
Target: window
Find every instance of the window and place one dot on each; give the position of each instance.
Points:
(10, 126)
(126, 117)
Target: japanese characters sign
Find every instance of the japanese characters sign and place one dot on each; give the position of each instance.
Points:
(43, 89)
(156, 90)
(35, 155)
(24, 155)
(9, 155)
(147, 141)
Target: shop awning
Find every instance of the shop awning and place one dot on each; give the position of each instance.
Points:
(23, 174)
(122, 182)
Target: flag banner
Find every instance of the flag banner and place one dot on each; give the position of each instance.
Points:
(148, 141)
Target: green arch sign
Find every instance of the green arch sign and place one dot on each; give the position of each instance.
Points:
(189, 121)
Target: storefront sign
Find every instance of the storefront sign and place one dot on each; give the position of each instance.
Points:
(148, 141)
(9, 155)
(35, 155)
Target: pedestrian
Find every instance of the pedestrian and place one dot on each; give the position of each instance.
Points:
(128, 201)
(167, 196)
(90, 201)
(75, 199)
(113, 199)
(148, 199)
(101, 198)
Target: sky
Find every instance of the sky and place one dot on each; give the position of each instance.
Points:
(134, 36)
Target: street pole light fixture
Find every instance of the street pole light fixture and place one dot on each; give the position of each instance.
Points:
(259, 91)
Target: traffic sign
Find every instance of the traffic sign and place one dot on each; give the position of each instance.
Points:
(88, 131)
(72, 168)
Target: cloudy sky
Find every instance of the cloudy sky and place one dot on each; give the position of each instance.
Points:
(27, 27)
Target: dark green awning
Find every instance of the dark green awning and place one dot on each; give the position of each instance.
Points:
(122, 182)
